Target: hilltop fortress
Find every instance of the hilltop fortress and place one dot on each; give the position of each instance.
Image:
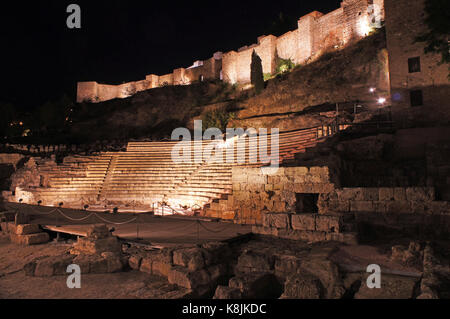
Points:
(316, 34)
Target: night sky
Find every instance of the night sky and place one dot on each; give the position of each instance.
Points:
(121, 41)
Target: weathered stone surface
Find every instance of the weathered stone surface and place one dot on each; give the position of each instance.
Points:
(225, 292)
(399, 194)
(286, 265)
(97, 265)
(249, 261)
(113, 262)
(303, 222)
(327, 223)
(84, 262)
(146, 265)
(353, 194)
(26, 229)
(192, 258)
(398, 207)
(276, 220)
(135, 262)
(386, 194)
(318, 265)
(89, 245)
(191, 280)
(347, 238)
(302, 286)
(216, 253)
(267, 231)
(424, 194)
(217, 273)
(361, 206)
(161, 267)
(54, 265)
(31, 239)
(392, 287)
(257, 285)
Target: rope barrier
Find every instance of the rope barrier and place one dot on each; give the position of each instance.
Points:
(116, 223)
(74, 219)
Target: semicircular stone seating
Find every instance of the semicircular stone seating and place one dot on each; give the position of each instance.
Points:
(146, 174)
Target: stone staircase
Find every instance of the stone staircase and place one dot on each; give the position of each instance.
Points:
(145, 174)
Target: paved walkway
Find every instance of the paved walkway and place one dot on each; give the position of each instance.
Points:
(146, 227)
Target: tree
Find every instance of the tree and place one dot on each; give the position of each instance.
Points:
(256, 74)
(437, 19)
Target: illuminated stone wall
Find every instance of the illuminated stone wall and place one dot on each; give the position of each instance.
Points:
(255, 191)
(317, 33)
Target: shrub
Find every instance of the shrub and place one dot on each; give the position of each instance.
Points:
(285, 65)
(218, 118)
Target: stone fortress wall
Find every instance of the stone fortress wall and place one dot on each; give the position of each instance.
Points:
(316, 34)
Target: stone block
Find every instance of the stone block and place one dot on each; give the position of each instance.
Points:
(402, 207)
(191, 280)
(26, 229)
(392, 287)
(302, 286)
(113, 262)
(353, 194)
(261, 230)
(216, 253)
(303, 222)
(436, 207)
(312, 236)
(370, 194)
(31, 239)
(258, 285)
(281, 221)
(217, 273)
(347, 238)
(97, 264)
(399, 194)
(135, 262)
(161, 268)
(83, 261)
(286, 264)
(420, 194)
(361, 206)
(145, 265)
(386, 194)
(327, 223)
(90, 245)
(225, 292)
(51, 266)
(192, 258)
(249, 261)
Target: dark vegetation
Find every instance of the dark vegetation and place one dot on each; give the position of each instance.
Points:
(437, 36)
(256, 73)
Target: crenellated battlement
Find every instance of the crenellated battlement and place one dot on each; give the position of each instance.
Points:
(316, 34)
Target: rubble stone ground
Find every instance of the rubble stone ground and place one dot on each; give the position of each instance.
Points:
(262, 267)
